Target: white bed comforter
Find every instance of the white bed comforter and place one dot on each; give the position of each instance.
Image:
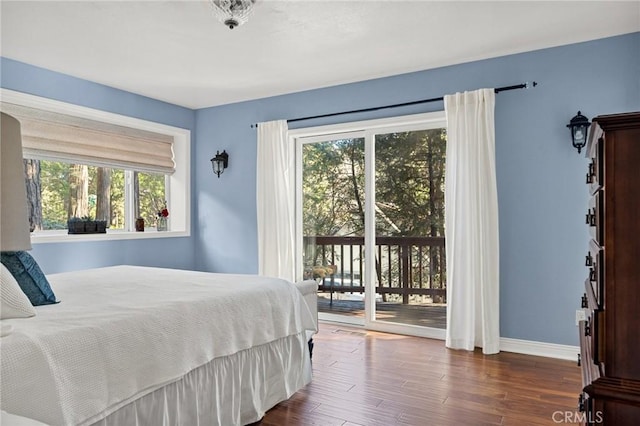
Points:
(122, 332)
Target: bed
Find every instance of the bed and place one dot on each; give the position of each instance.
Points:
(153, 346)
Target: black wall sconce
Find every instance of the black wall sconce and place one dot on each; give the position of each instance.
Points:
(579, 126)
(220, 162)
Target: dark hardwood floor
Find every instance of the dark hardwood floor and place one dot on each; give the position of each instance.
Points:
(369, 378)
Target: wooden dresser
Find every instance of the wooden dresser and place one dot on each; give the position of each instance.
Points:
(610, 336)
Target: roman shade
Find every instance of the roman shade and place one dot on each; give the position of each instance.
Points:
(53, 136)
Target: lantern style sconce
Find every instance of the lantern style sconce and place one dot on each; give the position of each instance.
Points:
(579, 126)
(220, 162)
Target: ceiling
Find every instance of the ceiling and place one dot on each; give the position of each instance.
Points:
(176, 51)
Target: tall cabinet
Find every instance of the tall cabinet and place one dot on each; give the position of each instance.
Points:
(610, 336)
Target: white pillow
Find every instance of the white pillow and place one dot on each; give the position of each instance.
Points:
(14, 303)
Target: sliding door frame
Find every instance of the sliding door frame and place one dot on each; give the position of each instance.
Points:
(367, 130)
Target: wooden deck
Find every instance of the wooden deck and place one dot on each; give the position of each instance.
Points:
(425, 315)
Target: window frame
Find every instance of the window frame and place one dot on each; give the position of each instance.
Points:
(177, 187)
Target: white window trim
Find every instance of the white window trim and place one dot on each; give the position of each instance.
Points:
(178, 189)
(414, 121)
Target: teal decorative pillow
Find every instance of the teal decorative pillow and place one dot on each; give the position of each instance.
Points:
(29, 276)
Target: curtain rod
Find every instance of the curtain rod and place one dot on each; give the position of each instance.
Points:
(525, 85)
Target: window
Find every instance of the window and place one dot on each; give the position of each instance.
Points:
(57, 191)
(81, 162)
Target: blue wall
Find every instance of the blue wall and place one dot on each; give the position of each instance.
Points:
(59, 257)
(541, 189)
(542, 195)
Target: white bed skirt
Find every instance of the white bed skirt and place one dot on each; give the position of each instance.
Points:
(232, 390)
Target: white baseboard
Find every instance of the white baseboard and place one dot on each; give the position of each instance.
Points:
(527, 347)
(530, 347)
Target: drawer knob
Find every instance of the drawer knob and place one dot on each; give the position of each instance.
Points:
(584, 303)
(592, 274)
(579, 360)
(587, 329)
(588, 260)
(581, 405)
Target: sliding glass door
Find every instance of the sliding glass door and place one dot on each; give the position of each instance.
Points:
(333, 203)
(370, 221)
(409, 227)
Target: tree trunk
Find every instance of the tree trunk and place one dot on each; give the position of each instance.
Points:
(34, 193)
(432, 196)
(103, 194)
(434, 260)
(354, 181)
(78, 191)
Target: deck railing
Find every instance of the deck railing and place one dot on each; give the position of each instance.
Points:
(406, 267)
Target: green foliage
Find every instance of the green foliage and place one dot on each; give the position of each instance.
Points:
(333, 188)
(54, 178)
(117, 199)
(151, 196)
(81, 219)
(409, 173)
(410, 183)
(409, 195)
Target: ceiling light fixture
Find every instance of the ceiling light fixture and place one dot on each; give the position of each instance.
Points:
(232, 13)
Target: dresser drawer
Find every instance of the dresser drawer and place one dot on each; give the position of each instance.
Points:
(592, 330)
(594, 217)
(593, 414)
(594, 261)
(595, 171)
(589, 369)
(590, 415)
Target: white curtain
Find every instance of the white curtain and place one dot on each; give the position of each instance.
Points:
(275, 201)
(471, 223)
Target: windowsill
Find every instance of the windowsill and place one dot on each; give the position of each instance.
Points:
(111, 235)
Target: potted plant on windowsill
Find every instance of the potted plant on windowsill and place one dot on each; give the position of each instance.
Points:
(163, 214)
(86, 225)
(89, 225)
(75, 225)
